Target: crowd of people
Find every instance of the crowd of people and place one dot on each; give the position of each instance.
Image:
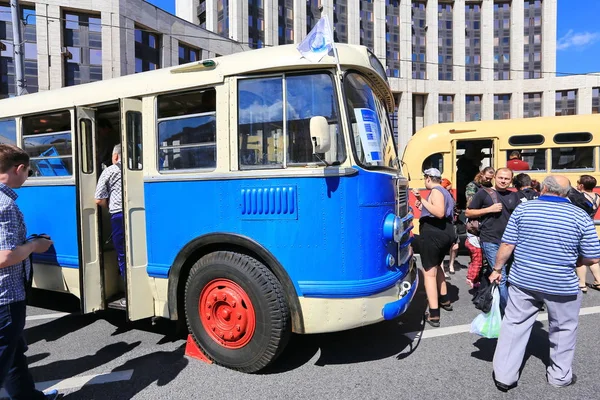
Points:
(534, 240)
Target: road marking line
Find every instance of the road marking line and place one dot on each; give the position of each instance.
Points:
(452, 330)
(46, 316)
(80, 381)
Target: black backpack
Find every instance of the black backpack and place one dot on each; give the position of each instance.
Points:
(579, 199)
(527, 194)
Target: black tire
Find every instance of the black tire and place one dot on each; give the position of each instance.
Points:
(273, 326)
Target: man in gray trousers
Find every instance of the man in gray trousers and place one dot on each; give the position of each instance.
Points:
(547, 236)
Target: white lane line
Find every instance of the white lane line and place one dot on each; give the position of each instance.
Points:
(46, 316)
(80, 381)
(452, 330)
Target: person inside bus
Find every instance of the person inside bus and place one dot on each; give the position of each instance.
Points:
(586, 185)
(106, 139)
(467, 166)
(109, 195)
(435, 240)
(494, 207)
(522, 182)
(516, 163)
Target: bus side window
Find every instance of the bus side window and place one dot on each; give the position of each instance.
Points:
(187, 128)
(434, 161)
(573, 158)
(8, 131)
(47, 139)
(530, 159)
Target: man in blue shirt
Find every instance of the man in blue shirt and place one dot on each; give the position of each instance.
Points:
(15, 275)
(548, 236)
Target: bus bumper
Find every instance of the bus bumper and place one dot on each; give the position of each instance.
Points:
(398, 307)
(322, 315)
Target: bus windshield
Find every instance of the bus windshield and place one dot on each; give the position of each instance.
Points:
(371, 131)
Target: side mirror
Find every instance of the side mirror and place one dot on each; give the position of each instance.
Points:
(319, 134)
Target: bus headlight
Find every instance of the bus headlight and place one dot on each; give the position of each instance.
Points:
(392, 228)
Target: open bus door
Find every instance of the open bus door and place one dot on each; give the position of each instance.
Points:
(140, 301)
(90, 269)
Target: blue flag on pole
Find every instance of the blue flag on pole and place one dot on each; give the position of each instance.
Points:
(318, 42)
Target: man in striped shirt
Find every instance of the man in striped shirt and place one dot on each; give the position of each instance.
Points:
(547, 236)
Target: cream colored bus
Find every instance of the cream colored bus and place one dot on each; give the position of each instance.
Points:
(566, 145)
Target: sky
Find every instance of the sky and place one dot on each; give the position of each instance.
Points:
(577, 34)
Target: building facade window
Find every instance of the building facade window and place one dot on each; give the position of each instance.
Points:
(313, 13)
(285, 29)
(188, 54)
(392, 37)
(502, 40)
(445, 42)
(446, 108)
(473, 107)
(566, 102)
(147, 50)
(8, 86)
(256, 24)
(340, 21)
(532, 54)
(473, 42)
(202, 14)
(419, 40)
(502, 106)
(366, 23)
(595, 100)
(83, 42)
(532, 105)
(222, 18)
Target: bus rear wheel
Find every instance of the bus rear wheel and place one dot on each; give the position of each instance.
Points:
(236, 311)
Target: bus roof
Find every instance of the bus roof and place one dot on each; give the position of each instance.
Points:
(179, 77)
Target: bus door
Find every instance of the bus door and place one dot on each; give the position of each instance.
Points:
(90, 271)
(470, 156)
(140, 301)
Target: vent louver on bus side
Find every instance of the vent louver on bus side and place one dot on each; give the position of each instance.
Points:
(269, 203)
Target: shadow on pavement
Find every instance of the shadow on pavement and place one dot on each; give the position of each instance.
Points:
(63, 302)
(57, 328)
(374, 342)
(160, 367)
(74, 367)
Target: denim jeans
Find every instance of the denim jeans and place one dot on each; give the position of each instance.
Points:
(490, 250)
(14, 373)
(118, 237)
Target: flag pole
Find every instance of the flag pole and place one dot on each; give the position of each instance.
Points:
(335, 52)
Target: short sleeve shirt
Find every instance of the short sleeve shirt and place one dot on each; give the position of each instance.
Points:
(492, 225)
(110, 187)
(549, 234)
(13, 233)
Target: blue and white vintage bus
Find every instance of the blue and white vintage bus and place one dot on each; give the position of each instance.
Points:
(262, 195)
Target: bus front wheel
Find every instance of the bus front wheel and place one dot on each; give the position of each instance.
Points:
(236, 311)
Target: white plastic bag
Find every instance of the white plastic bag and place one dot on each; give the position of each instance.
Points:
(487, 325)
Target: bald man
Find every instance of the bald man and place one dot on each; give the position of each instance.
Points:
(547, 237)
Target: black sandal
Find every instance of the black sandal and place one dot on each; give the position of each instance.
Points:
(434, 322)
(447, 306)
(595, 286)
(583, 289)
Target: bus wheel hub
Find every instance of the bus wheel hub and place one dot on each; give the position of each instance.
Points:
(227, 313)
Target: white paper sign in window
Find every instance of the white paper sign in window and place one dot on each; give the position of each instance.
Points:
(370, 136)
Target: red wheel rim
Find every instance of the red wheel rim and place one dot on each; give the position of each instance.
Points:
(227, 313)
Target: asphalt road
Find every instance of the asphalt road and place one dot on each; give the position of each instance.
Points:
(104, 357)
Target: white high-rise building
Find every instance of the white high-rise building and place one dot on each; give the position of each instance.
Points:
(501, 65)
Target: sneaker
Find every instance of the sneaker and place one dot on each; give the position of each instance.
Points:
(51, 394)
(573, 381)
(123, 302)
